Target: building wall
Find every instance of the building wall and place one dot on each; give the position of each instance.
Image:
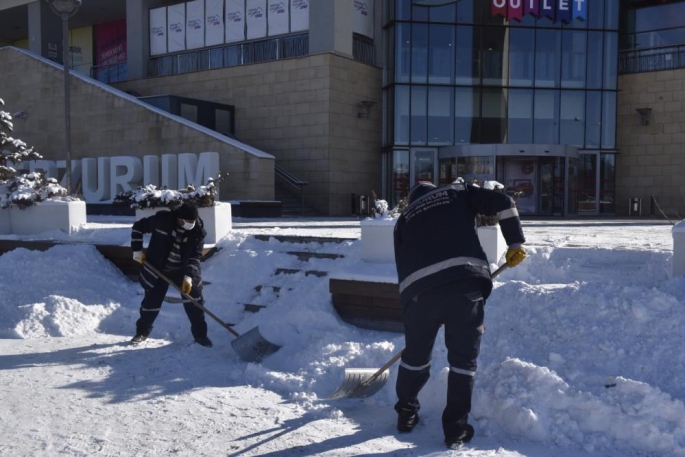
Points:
(651, 158)
(105, 124)
(304, 112)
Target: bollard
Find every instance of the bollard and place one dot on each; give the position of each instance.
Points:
(678, 233)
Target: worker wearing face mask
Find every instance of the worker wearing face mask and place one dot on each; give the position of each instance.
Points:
(175, 249)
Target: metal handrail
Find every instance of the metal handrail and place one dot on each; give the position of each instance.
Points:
(293, 181)
(229, 55)
(651, 59)
(120, 73)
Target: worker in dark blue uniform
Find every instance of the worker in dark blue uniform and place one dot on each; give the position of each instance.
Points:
(444, 279)
(175, 249)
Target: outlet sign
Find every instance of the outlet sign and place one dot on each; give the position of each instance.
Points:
(102, 178)
(554, 10)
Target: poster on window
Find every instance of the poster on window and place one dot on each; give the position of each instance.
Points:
(158, 43)
(214, 22)
(299, 15)
(81, 49)
(110, 42)
(195, 24)
(362, 22)
(278, 17)
(235, 20)
(521, 184)
(256, 19)
(176, 30)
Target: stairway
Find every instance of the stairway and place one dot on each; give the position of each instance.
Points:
(291, 202)
(269, 293)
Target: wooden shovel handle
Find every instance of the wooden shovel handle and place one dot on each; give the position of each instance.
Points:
(192, 300)
(397, 356)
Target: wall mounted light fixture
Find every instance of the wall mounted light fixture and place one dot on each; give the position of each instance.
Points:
(645, 114)
(366, 108)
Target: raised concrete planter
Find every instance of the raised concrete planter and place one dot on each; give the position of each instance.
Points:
(217, 220)
(378, 245)
(5, 222)
(678, 232)
(47, 216)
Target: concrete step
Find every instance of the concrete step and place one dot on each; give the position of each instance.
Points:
(275, 289)
(303, 239)
(305, 256)
(292, 271)
(252, 308)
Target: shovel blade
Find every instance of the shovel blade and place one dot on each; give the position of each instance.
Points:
(354, 385)
(253, 347)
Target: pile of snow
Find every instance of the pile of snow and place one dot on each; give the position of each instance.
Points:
(581, 352)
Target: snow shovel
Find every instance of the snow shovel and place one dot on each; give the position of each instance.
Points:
(364, 382)
(251, 346)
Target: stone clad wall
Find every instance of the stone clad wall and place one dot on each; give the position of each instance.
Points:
(651, 159)
(304, 111)
(105, 124)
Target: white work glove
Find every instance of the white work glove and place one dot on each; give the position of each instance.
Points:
(187, 285)
(139, 256)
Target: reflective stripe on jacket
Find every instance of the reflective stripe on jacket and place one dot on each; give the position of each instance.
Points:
(436, 240)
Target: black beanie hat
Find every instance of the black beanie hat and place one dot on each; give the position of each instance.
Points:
(187, 211)
(419, 190)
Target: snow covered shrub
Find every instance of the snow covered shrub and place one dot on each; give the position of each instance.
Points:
(151, 196)
(28, 189)
(381, 210)
(22, 190)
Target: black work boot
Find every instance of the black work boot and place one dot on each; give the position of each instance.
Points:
(139, 338)
(407, 420)
(204, 341)
(461, 434)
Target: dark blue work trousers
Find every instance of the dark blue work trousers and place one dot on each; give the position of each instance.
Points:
(459, 306)
(152, 304)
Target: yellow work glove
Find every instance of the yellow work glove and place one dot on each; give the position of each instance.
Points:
(187, 284)
(139, 256)
(515, 256)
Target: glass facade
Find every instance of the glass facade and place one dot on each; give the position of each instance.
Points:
(458, 75)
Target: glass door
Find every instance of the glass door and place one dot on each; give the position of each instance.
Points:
(551, 185)
(424, 166)
(587, 184)
(521, 183)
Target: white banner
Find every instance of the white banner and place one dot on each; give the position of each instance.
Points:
(235, 20)
(176, 29)
(195, 24)
(256, 19)
(299, 15)
(362, 22)
(214, 22)
(278, 17)
(158, 31)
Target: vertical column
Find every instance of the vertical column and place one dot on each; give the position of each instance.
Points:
(138, 36)
(330, 26)
(45, 31)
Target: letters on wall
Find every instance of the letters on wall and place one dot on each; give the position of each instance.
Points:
(554, 10)
(103, 178)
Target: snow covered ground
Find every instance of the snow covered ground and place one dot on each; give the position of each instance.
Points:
(583, 353)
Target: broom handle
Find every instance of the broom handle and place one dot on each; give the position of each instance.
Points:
(193, 301)
(397, 356)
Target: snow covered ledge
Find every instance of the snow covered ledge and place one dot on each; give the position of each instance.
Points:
(46, 216)
(678, 232)
(378, 245)
(217, 219)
